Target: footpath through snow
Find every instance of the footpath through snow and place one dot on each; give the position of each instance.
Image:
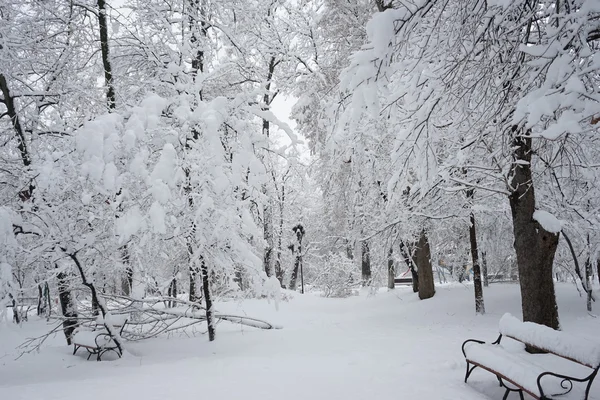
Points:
(388, 346)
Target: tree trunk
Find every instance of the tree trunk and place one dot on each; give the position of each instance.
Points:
(172, 292)
(297, 252)
(48, 301)
(67, 306)
(268, 207)
(193, 272)
(207, 299)
(127, 280)
(268, 236)
(486, 281)
(535, 247)
(294, 276)
(588, 283)
(11, 110)
(40, 306)
(405, 252)
(196, 19)
(114, 334)
(365, 264)
(278, 268)
(479, 304)
(391, 269)
(422, 259)
(108, 80)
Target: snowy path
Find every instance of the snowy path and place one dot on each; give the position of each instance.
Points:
(390, 346)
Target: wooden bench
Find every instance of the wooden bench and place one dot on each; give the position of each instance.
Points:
(96, 339)
(520, 370)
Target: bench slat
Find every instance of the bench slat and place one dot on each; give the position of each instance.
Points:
(505, 378)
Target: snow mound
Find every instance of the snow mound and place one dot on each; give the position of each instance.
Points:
(548, 221)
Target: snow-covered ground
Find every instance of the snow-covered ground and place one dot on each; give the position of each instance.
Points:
(387, 346)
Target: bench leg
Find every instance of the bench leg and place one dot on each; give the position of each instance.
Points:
(520, 391)
(469, 370)
(75, 348)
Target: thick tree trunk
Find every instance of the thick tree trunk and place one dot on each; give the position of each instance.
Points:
(67, 306)
(484, 266)
(391, 269)
(208, 300)
(535, 247)
(479, 304)
(365, 263)
(422, 259)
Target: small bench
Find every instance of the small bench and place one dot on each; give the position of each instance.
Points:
(527, 376)
(97, 340)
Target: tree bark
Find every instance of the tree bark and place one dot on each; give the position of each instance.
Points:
(11, 110)
(294, 276)
(108, 80)
(278, 268)
(479, 304)
(127, 280)
(40, 306)
(365, 263)
(535, 247)
(268, 236)
(196, 18)
(484, 266)
(208, 300)
(422, 259)
(268, 207)
(67, 306)
(391, 269)
(405, 252)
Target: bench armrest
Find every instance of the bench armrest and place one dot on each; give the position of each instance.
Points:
(106, 338)
(497, 341)
(477, 341)
(469, 341)
(566, 383)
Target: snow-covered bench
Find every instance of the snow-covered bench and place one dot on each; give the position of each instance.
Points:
(532, 377)
(96, 339)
